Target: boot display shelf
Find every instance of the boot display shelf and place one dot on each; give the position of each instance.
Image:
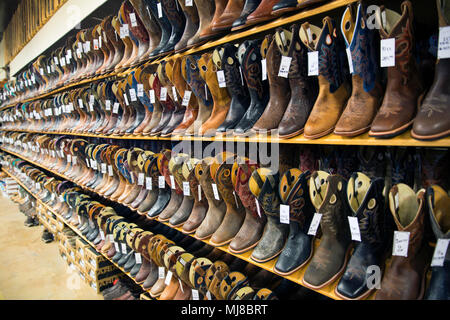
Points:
(233, 36)
(296, 277)
(67, 224)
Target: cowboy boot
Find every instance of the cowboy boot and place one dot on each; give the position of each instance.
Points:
(252, 228)
(235, 212)
(404, 89)
(405, 277)
(208, 32)
(262, 13)
(151, 171)
(430, 122)
(366, 201)
(164, 193)
(220, 96)
(157, 109)
(142, 159)
(176, 197)
(299, 245)
(216, 208)
(236, 86)
(303, 89)
(365, 100)
(231, 12)
(330, 258)
(192, 24)
(250, 54)
(334, 88)
(280, 92)
(168, 106)
(161, 19)
(263, 185)
(177, 21)
(143, 77)
(249, 7)
(438, 203)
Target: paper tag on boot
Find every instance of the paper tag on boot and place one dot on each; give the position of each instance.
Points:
(284, 214)
(102, 235)
(161, 182)
(108, 105)
(110, 170)
(199, 191)
(148, 183)
(284, 67)
(215, 191)
(354, 228)
(141, 179)
(186, 98)
(444, 43)
(168, 278)
(132, 94)
(258, 209)
(313, 63)
(103, 167)
(133, 19)
(186, 189)
(174, 93)
(439, 252)
(188, 3)
(124, 248)
(350, 60)
(314, 224)
(159, 7)
(387, 54)
(195, 294)
(221, 78)
(264, 69)
(140, 90)
(163, 95)
(172, 182)
(401, 241)
(116, 107)
(138, 258)
(151, 93)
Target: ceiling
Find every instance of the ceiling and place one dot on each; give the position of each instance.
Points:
(7, 8)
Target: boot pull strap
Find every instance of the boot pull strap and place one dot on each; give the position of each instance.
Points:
(407, 6)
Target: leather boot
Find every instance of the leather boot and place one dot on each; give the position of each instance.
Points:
(156, 114)
(280, 92)
(404, 278)
(303, 89)
(164, 25)
(235, 212)
(176, 197)
(237, 89)
(167, 103)
(264, 186)
(200, 206)
(404, 89)
(366, 202)
(177, 21)
(191, 113)
(143, 77)
(138, 31)
(330, 258)
(249, 7)
(262, 13)
(220, 96)
(191, 26)
(250, 54)
(185, 209)
(206, 10)
(230, 14)
(438, 204)
(334, 91)
(216, 208)
(163, 193)
(252, 228)
(151, 170)
(299, 246)
(367, 91)
(141, 161)
(208, 32)
(195, 66)
(430, 122)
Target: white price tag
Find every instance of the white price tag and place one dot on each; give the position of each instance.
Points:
(102, 235)
(194, 291)
(108, 105)
(137, 257)
(159, 7)
(258, 209)
(188, 3)
(148, 183)
(91, 107)
(444, 43)
(124, 31)
(161, 273)
(74, 160)
(439, 252)
(163, 95)
(69, 158)
(354, 228)
(95, 41)
(314, 224)
(80, 103)
(103, 167)
(152, 96)
(174, 93)
(124, 248)
(186, 98)
(140, 90)
(284, 214)
(132, 94)
(133, 19)
(284, 67)
(161, 182)
(313, 63)
(116, 246)
(401, 241)
(126, 99)
(208, 295)
(141, 179)
(110, 170)
(168, 278)
(116, 107)
(186, 189)
(199, 191)
(93, 164)
(387, 55)
(216, 193)
(350, 60)
(221, 78)
(264, 69)
(172, 182)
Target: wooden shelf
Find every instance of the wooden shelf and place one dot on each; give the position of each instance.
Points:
(296, 277)
(403, 140)
(230, 37)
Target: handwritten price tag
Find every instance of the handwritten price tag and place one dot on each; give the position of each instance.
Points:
(387, 53)
(314, 224)
(401, 242)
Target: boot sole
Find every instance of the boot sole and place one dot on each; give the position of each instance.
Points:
(392, 133)
(430, 138)
(267, 259)
(299, 267)
(291, 135)
(245, 249)
(351, 133)
(319, 135)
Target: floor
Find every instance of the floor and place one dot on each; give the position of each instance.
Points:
(31, 269)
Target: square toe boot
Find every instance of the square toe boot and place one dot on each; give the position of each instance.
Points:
(216, 208)
(430, 122)
(191, 26)
(252, 228)
(235, 212)
(404, 89)
(176, 197)
(334, 87)
(249, 7)
(264, 186)
(405, 277)
(366, 202)
(298, 250)
(206, 10)
(438, 204)
(363, 104)
(262, 13)
(209, 32)
(231, 12)
(185, 209)
(330, 258)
